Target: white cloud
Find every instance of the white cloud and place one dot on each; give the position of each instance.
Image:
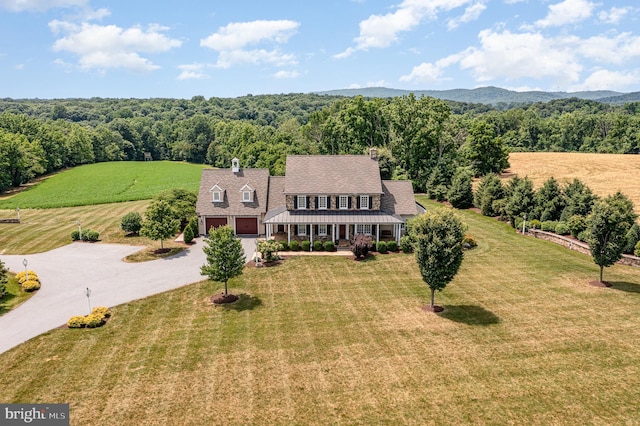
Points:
(613, 15)
(286, 74)
(423, 73)
(383, 30)
(231, 42)
(19, 67)
(472, 13)
(567, 12)
(39, 5)
(192, 72)
(379, 83)
(611, 50)
(108, 46)
(609, 80)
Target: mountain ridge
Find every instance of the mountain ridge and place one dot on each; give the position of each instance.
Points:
(489, 95)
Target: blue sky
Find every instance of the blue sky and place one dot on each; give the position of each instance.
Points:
(143, 49)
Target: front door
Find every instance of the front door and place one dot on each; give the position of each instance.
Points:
(343, 232)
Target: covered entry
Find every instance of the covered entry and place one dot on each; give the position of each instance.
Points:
(247, 225)
(214, 222)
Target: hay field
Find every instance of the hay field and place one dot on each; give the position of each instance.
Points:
(603, 173)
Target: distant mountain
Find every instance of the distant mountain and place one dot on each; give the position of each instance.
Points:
(489, 95)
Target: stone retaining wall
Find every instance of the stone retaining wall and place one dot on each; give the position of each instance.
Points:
(573, 244)
(10, 220)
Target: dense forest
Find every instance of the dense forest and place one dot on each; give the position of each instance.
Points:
(420, 138)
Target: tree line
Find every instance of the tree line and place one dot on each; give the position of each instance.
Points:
(422, 139)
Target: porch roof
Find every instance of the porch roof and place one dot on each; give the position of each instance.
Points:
(282, 216)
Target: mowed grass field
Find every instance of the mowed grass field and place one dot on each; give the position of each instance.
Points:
(103, 183)
(603, 173)
(524, 339)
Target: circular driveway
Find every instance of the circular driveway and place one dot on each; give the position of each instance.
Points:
(66, 272)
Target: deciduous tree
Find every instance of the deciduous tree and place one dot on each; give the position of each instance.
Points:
(225, 256)
(159, 222)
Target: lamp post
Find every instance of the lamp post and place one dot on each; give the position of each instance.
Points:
(88, 293)
(26, 272)
(18, 211)
(524, 221)
(80, 232)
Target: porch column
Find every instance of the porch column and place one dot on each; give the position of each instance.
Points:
(347, 231)
(311, 237)
(268, 231)
(378, 233)
(398, 234)
(288, 233)
(333, 233)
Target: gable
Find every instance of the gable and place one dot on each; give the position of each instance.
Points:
(233, 184)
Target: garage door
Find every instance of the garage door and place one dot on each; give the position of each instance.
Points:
(215, 222)
(246, 225)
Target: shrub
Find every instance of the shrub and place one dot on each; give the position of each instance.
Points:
(317, 245)
(329, 246)
(576, 224)
(101, 310)
(633, 236)
(562, 228)
(469, 242)
(306, 245)
(361, 245)
(90, 235)
(94, 320)
(549, 225)
(75, 235)
(31, 285)
(636, 252)
(583, 236)
(406, 245)
(392, 246)
(284, 246)
(534, 224)
(77, 321)
(193, 224)
(268, 250)
(187, 235)
(131, 222)
(518, 223)
(381, 247)
(295, 245)
(21, 276)
(3, 279)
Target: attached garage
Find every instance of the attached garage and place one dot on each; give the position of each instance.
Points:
(247, 225)
(215, 222)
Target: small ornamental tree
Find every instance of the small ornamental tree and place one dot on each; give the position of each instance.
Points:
(438, 237)
(225, 256)
(361, 245)
(131, 223)
(607, 228)
(159, 223)
(3, 280)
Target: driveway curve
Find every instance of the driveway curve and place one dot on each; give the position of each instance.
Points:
(66, 272)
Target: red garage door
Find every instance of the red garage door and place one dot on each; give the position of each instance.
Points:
(215, 222)
(246, 225)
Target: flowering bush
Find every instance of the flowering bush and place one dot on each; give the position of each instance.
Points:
(96, 318)
(30, 285)
(22, 276)
(76, 322)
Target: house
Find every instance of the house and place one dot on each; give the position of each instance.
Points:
(321, 197)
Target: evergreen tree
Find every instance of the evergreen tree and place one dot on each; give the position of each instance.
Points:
(489, 191)
(520, 198)
(460, 194)
(549, 201)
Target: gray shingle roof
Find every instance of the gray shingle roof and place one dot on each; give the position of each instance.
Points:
(231, 183)
(276, 192)
(282, 216)
(398, 197)
(332, 174)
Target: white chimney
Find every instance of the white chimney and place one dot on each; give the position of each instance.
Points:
(235, 165)
(373, 153)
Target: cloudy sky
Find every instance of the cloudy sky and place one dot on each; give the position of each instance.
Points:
(141, 49)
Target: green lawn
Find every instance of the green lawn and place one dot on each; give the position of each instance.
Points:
(524, 339)
(14, 297)
(103, 183)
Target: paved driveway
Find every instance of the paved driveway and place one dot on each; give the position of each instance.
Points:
(67, 271)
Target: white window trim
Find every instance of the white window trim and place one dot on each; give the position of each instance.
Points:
(303, 205)
(322, 233)
(363, 228)
(344, 198)
(302, 230)
(217, 196)
(364, 202)
(247, 196)
(325, 198)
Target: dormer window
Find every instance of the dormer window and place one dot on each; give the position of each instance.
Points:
(217, 194)
(247, 193)
(364, 202)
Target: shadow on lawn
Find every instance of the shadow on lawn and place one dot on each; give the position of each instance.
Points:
(245, 302)
(469, 314)
(4, 305)
(624, 286)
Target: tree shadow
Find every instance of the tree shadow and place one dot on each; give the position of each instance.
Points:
(624, 286)
(469, 314)
(4, 305)
(245, 302)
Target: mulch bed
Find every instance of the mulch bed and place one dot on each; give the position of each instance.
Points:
(162, 250)
(221, 299)
(253, 264)
(435, 308)
(602, 284)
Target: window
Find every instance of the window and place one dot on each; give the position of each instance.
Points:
(322, 202)
(364, 202)
(302, 230)
(217, 196)
(322, 230)
(302, 202)
(246, 196)
(363, 229)
(343, 202)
